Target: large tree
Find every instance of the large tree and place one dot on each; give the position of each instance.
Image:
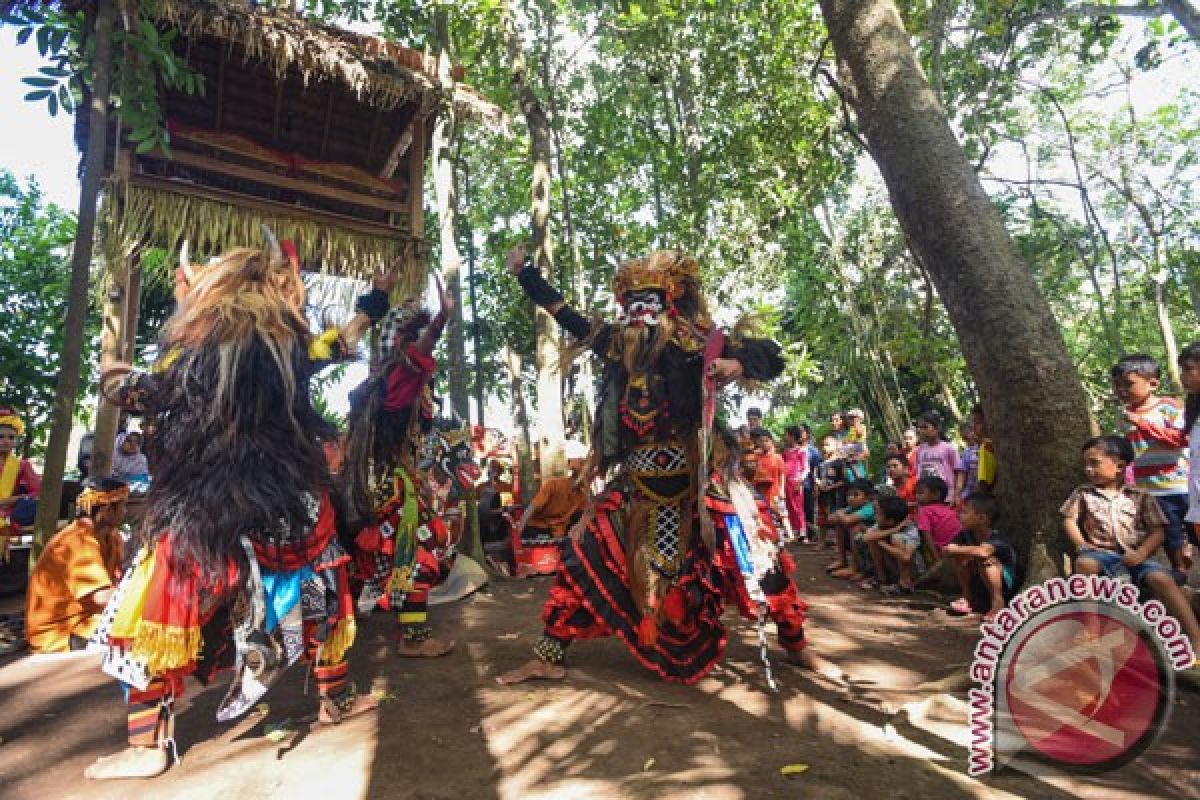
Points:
(1035, 404)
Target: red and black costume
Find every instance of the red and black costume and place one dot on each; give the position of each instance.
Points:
(657, 561)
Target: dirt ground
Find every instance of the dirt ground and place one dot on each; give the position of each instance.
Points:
(446, 730)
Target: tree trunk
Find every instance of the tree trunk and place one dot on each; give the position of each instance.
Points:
(512, 362)
(444, 131)
(480, 418)
(547, 353)
(67, 390)
(1034, 402)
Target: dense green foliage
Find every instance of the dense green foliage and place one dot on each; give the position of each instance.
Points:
(35, 242)
(719, 127)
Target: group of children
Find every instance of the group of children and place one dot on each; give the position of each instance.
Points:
(937, 503)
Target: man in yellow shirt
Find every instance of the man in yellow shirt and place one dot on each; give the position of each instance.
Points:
(77, 571)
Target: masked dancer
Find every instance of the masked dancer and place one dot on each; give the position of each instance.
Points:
(676, 534)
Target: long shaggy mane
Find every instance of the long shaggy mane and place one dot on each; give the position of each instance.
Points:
(237, 445)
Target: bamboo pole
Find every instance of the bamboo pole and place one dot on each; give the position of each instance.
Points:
(67, 390)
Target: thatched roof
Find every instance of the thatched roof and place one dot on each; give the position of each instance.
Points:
(318, 132)
(381, 74)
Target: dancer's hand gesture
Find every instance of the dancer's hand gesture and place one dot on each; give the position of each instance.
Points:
(385, 279)
(514, 262)
(445, 300)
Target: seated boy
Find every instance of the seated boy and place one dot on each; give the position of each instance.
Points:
(1117, 528)
(77, 571)
(984, 563)
(935, 519)
(894, 545)
(858, 515)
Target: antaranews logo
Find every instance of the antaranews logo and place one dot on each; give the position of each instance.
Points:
(1076, 672)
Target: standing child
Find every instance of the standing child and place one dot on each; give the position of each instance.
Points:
(985, 473)
(771, 477)
(1116, 528)
(984, 562)
(937, 457)
(810, 482)
(795, 461)
(1189, 374)
(904, 482)
(1159, 442)
(831, 485)
(854, 445)
(969, 458)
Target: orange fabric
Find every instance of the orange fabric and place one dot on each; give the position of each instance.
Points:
(74, 565)
(769, 478)
(556, 502)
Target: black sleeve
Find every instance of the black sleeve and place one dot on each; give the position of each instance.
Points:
(761, 359)
(545, 295)
(374, 304)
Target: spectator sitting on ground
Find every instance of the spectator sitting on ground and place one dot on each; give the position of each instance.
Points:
(558, 504)
(984, 562)
(894, 545)
(77, 571)
(493, 525)
(1117, 529)
(858, 515)
(936, 520)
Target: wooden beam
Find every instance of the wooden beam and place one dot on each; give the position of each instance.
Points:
(416, 179)
(328, 121)
(399, 148)
(113, 334)
(220, 121)
(278, 110)
(374, 137)
(273, 179)
(266, 206)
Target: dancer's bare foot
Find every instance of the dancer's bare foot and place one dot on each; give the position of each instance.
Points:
(132, 762)
(807, 659)
(534, 669)
(430, 648)
(330, 714)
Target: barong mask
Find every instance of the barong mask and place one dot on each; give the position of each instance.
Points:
(448, 448)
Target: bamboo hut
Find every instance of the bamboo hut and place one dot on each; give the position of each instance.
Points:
(320, 133)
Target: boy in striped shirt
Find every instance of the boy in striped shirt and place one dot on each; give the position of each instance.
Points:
(1160, 446)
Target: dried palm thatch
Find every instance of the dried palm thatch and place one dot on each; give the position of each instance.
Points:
(379, 73)
(138, 215)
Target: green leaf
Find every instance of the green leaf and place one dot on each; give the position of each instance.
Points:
(39, 95)
(23, 35)
(146, 146)
(52, 103)
(55, 72)
(41, 83)
(43, 40)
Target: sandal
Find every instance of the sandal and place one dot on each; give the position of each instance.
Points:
(960, 607)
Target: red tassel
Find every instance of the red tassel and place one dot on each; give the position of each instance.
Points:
(674, 605)
(647, 632)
